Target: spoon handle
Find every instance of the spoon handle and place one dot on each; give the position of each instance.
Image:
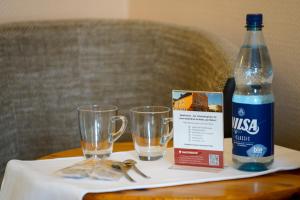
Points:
(120, 167)
(128, 177)
(140, 172)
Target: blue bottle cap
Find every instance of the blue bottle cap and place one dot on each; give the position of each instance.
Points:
(254, 20)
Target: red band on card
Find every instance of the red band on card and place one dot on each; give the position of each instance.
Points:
(199, 158)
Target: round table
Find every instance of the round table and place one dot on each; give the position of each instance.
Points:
(281, 185)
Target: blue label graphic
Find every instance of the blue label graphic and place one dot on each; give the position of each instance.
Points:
(252, 129)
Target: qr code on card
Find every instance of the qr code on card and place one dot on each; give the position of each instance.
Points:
(213, 160)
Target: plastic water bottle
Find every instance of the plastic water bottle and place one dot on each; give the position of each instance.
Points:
(253, 102)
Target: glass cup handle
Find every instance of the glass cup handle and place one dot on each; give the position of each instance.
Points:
(167, 137)
(116, 135)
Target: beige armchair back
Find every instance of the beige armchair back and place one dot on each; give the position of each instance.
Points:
(47, 69)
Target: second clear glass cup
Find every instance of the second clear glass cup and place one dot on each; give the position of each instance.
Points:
(150, 131)
(97, 125)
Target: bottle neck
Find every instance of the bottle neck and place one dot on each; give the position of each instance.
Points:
(254, 38)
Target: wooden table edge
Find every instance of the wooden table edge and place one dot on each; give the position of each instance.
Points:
(280, 185)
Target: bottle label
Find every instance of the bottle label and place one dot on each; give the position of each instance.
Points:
(252, 129)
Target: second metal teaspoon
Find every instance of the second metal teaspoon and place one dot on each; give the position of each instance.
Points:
(132, 163)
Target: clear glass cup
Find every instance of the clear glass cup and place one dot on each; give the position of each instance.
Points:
(97, 126)
(150, 130)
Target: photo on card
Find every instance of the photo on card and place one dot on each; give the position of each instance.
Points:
(197, 101)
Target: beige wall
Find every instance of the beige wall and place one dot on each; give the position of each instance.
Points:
(22, 10)
(225, 18)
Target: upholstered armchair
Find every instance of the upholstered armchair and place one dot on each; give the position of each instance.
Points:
(47, 69)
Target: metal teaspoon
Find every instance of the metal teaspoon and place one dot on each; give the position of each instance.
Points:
(123, 168)
(132, 163)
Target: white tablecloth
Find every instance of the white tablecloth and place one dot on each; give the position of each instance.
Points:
(32, 180)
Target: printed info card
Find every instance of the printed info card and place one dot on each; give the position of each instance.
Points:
(198, 128)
